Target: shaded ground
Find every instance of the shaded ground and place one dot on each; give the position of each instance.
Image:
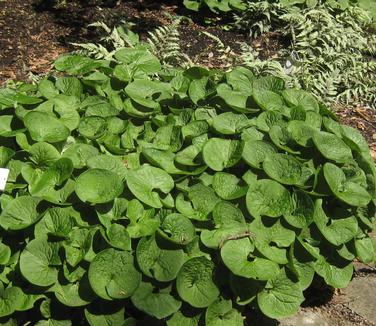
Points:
(362, 119)
(351, 306)
(31, 38)
(328, 307)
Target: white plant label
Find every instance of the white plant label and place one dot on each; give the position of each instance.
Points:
(3, 178)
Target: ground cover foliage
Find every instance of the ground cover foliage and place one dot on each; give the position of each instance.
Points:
(139, 193)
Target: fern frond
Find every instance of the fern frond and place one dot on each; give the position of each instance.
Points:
(96, 51)
(332, 53)
(164, 42)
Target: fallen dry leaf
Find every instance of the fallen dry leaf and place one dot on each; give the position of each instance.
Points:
(373, 154)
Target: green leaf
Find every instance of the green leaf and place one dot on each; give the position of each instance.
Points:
(219, 153)
(221, 312)
(100, 316)
(162, 159)
(49, 184)
(178, 229)
(118, 237)
(192, 4)
(303, 209)
(69, 86)
(195, 128)
(54, 322)
(332, 147)
(298, 97)
(179, 318)
(189, 156)
(92, 127)
(203, 200)
(98, 186)
(216, 238)
(230, 123)
(245, 289)
(239, 100)
(47, 88)
(162, 264)
(313, 119)
(354, 139)
(350, 192)
(272, 239)
(301, 264)
(256, 151)
(268, 100)
(66, 108)
(6, 126)
(142, 181)
(38, 262)
(301, 132)
(336, 231)
(270, 83)
(139, 58)
(269, 198)
(157, 304)
(108, 162)
(142, 89)
(229, 224)
(265, 92)
(363, 250)
(76, 64)
(238, 257)
(281, 297)
(5, 155)
(283, 139)
(112, 274)
(74, 295)
(337, 272)
(5, 253)
(11, 300)
(57, 221)
(226, 213)
(20, 213)
(10, 98)
(268, 119)
(44, 127)
(111, 211)
(101, 109)
(286, 169)
(195, 282)
(199, 89)
(79, 154)
(241, 79)
(43, 154)
(227, 186)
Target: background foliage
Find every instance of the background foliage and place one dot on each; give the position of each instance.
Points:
(326, 47)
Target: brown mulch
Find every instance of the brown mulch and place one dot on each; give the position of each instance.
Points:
(362, 119)
(28, 40)
(32, 37)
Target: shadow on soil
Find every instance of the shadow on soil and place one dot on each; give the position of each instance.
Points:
(318, 294)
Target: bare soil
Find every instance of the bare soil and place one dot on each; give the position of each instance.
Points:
(32, 37)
